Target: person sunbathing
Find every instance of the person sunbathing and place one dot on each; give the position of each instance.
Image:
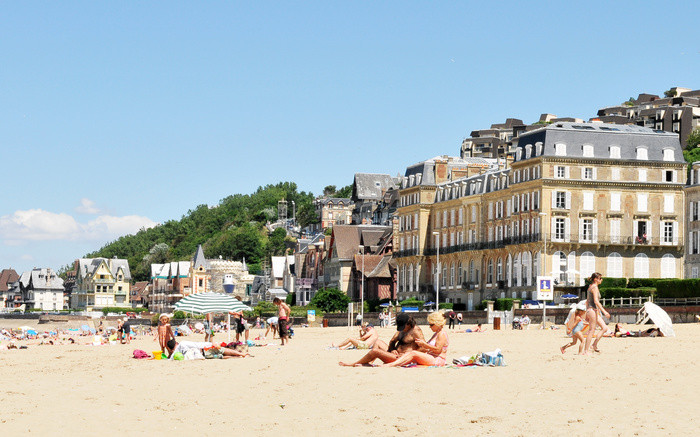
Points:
(431, 353)
(368, 337)
(403, 341)
(478, 328)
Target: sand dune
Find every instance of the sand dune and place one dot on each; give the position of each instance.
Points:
(636, 385)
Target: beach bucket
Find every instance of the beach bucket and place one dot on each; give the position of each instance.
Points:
(157, 355)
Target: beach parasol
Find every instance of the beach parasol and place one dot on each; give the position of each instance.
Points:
(26, 328)
(569, 296)
(660, 318)
(205, 303)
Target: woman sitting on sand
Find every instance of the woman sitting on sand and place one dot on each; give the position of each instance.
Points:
(368, 337)
(407, 333)
(431, 353)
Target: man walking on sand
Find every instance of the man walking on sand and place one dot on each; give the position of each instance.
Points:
(283, 312)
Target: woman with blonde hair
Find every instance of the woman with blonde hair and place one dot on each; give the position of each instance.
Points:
(430, 353)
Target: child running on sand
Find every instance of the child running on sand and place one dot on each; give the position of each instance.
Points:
(166, 338)
(575, 327)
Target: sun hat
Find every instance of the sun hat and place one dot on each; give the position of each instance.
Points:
(581, 306)
(163, 315)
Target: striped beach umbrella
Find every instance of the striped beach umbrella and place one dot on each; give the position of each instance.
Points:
(204, 303)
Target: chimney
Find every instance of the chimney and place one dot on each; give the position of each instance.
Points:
(440, 171)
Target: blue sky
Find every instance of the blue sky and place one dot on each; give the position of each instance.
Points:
(118, 115)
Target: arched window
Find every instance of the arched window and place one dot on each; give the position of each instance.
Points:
(417, 272)
(559, 266)
(641, 266)
(472, 273)
(410, 277)
(499, 270)
(527, 269)
(489, 272)
(614, 269)
(668, 266)
(587, 264)
(509, 270)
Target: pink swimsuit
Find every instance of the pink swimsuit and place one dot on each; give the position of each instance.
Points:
(440, 359)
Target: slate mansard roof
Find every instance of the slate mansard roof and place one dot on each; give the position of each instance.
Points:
(601, 136)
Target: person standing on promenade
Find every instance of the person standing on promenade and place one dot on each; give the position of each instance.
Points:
(594, 314)
(283, 313)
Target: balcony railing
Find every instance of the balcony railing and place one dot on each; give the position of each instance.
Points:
(406, 252)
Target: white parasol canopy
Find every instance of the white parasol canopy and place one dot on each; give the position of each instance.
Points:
(660, 318)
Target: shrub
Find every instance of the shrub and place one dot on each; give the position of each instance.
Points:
(614, 283)
(300, 311)
(447, 305)
(618, 292)
(330, 300)
(642, 282)
(179, 315)
(122, 310)
(505, 304)
(291, 298)
(412, 303)
(677, 288)
(482, 306)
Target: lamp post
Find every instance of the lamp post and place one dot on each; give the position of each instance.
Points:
(362, 287)
(437, 285)
(544, 262)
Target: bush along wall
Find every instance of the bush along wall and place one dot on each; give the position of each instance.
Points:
(677, 288)
(618, 292)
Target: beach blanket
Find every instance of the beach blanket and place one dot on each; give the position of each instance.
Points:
(139, 354)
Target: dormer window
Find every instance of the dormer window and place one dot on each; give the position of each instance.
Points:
(615, 152)
(560, 149)
(588, 151)
(642, 154)
(669, 155)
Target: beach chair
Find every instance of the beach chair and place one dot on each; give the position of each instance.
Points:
(642, 317)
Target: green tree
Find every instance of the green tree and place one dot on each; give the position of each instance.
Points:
(345, 192)
(276, 242)
(671, 93)
(329, 190)
(330, 300)
(693, 139)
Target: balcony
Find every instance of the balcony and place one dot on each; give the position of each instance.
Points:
(626, 240)
(405, 253)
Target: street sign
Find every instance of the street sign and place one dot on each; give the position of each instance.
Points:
(545, 288)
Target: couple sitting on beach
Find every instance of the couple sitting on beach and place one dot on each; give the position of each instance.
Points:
(408, 344)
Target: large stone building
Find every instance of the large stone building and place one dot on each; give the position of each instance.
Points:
(101, 282)
(600, 198)
(692, 193)
(679, 112)
(41, 289)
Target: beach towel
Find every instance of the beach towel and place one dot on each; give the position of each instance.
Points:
(139, 354)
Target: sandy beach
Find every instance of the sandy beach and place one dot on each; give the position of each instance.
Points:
(636, 386)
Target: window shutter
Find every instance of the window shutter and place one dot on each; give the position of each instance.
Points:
(675, 234)
(595, 230)
(566, 172)
(568, 200)
(649, 231)
(661, 233)
(571, 265)
(595, 173)
(553, 225)
(567, 229)
(580, 230)
(508, 207)
(554, 199)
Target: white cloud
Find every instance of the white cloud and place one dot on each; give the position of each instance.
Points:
(87, 206)
(40, 225)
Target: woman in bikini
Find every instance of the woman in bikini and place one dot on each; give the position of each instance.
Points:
(431, 353)
(404, 340)
(593, 314)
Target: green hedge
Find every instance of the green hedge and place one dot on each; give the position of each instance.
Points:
(505, 304)
(677, 288)
(412, 303)
(122, 310)
(446, 305)
(642, 282)
(618, 292)
(614, 283)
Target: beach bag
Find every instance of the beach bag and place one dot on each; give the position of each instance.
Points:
(139, 354)
(493, 359)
